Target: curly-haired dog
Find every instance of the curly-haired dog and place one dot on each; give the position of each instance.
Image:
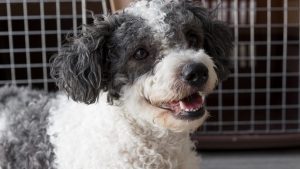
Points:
(137, 82)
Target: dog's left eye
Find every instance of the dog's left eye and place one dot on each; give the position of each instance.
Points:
(193, 40)
(140, 54)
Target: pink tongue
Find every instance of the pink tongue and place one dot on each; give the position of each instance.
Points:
(192, 102)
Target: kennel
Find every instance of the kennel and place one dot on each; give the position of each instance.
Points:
(257, 107)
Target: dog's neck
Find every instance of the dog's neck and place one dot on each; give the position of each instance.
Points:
(162, 147)
(151, 130)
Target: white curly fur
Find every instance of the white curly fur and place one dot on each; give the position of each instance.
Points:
(2, 124)
(2, 130)
(151, 12)
(119, 140)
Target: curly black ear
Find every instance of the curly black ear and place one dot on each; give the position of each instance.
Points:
(79, 66)
(217, 38)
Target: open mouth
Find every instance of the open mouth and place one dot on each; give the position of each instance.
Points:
(188, 108)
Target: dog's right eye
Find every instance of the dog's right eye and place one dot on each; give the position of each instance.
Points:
(140, 54)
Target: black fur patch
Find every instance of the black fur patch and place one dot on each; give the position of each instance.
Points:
(122, 45)
(217, 39)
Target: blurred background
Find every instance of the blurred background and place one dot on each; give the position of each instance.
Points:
(257, 107)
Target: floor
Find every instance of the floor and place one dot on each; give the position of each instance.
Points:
(275, 159)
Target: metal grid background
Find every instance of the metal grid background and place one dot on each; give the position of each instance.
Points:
(261, 96)
(31, 31)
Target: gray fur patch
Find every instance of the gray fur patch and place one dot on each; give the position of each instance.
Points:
(25, 144)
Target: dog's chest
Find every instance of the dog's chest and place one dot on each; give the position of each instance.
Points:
(164, 152)
(99, 137)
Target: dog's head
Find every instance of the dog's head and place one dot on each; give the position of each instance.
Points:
(158, 58)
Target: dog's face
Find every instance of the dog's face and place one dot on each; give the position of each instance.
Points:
(159, 58)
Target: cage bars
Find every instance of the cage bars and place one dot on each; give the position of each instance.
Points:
(235, 57)
(11, 45)
(14, 36)
(74, 13)
(284, 62)
(43, 40)
(269, 109)
(83, 8)
(252, 62)
(58, 23)
(26, 30)
(299, 67)
(268, 80)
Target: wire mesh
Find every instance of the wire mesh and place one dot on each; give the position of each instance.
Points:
(31, 31)
(261, 95)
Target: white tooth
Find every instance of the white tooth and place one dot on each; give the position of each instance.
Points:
(203, 99)
(181, 105)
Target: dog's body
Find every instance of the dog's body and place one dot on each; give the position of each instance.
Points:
(43, 131)
(138, 81)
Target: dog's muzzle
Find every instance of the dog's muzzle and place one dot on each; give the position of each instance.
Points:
(190, 107)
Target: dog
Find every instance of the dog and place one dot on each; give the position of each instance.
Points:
(133, 88)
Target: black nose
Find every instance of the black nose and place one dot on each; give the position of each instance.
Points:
(195, 74)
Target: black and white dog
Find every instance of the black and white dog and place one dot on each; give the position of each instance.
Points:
(136, 83)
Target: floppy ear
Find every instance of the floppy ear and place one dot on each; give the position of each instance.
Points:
(217, 38)
(79, 66)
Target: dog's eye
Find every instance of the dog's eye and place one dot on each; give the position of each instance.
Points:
(193, 40)
(140, 54)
